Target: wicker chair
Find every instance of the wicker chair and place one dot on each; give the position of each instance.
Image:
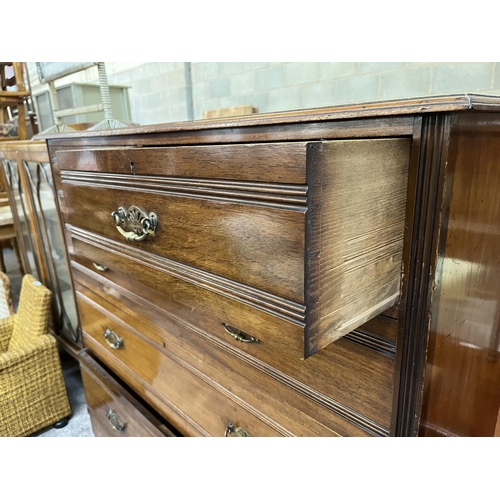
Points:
(32, 389)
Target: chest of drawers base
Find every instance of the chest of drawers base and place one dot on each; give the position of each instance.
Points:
(266, 275)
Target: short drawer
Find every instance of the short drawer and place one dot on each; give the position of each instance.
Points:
(176, 390)
(270, 162)
(114, 412)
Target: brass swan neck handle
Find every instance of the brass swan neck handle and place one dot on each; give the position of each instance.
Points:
(135, 224)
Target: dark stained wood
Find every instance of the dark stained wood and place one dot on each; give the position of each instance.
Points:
(380, 334)
(355, 254)
(273, 194)
(422, 226)
(342, 112)
(363, 378)
(103, 393)
(259, 246)
(164, 380)
(283, 407)
(381, 326)
(392, 312)
(462, 380)
(355, 234)
(280, 162)
(368, 127)
(442, 380)
(372, 342)
(265, 321)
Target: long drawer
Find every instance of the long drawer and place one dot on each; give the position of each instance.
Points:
(193, 406)
(114, 412)
(271, 162)
(200, 300)
(344, 383)
(249, 244)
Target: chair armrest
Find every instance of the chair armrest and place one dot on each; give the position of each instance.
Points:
(6, 325)
(38, 349)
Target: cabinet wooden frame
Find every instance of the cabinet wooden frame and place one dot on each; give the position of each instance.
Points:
(14, 159)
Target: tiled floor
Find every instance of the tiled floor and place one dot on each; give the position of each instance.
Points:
(79, 424)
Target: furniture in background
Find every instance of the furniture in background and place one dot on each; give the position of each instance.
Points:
(14, 101)
(237, 277)
(32, 390)
(49, 72)
(245, 109)
(27, 176)
(79, 95)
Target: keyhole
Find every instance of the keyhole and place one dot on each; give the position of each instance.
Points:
(132, 167)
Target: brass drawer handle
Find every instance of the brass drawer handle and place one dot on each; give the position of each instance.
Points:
(99, 267)
(115, 422)
(112, 339)
(238, 334)
(238, 431)
(134, 224)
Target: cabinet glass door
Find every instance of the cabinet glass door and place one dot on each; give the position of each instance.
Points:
(42, 192)
(13, 179)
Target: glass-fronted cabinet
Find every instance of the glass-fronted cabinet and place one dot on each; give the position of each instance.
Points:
(27, 176)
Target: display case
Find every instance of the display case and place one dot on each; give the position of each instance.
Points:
(77, 95)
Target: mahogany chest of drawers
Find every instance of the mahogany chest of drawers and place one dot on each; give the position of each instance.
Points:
(277, 275)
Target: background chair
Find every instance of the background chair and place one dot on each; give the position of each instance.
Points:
(32, 389)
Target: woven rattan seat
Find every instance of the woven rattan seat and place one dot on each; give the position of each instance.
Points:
(32, 389)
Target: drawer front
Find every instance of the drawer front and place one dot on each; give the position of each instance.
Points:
(174, 389)
(277, 325)
(283, 407)
(113, 411)
(344, 375)
(249, 244)
(273, 162)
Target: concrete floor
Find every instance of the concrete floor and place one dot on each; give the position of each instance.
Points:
(79, 424)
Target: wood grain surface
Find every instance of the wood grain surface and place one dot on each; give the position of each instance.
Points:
(363, 378)
(279, 162)
(392, 108)
(259, 246)
(104, 394)
(462, 380)
(355, 234)
(163, 380)
(283, 407)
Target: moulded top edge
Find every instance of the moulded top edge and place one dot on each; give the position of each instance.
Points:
(410, 106)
